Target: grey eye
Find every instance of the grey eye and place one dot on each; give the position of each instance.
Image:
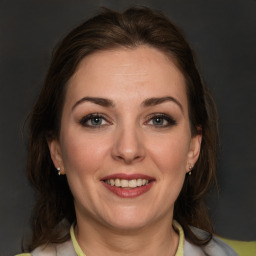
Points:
(159, 121)
(96, 121)
(93, 120)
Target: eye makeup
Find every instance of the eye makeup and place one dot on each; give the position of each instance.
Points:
(94, 120)
(156, 120)
(160, 120)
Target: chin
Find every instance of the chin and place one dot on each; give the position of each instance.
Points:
(128, 220)
(128, 225)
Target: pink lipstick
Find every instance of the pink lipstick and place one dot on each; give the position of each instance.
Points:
(128, 185)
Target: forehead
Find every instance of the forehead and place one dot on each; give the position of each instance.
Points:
(125, 59)
(143, 71)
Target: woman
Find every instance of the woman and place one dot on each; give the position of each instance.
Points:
(123, 143)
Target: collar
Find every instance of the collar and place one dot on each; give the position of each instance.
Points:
(175, 224)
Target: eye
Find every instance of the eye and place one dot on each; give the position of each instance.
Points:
(161, 120)
(94, 121)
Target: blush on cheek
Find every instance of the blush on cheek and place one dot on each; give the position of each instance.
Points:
(82, 156)
(170, 156)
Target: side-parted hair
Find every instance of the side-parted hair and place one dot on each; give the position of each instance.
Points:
(111, 30)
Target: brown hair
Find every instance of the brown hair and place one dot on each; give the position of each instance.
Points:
(108, 30)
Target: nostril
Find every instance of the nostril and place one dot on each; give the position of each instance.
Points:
(127, 147)
(128, 158)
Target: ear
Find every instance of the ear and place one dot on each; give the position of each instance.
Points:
(56, 155)
(194, 151)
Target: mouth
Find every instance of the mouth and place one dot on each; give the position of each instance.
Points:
(128, 186)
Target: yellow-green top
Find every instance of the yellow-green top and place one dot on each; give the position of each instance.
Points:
(79, 251)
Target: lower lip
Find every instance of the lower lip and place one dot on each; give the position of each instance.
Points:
(129, 192)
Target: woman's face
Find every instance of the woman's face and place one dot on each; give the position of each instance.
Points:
(125, 142)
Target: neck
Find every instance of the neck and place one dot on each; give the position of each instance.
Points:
(159, 238)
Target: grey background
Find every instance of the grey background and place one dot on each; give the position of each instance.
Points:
(223, 35)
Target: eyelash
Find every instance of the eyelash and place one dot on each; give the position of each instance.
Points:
(163, 117)
(90, 117)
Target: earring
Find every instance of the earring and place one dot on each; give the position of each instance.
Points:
(190, 169)
(58, 169)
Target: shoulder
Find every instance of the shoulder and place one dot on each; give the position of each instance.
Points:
(215, 247)
(23, 254)
(219, 247)
(242, 247)
(63, 249)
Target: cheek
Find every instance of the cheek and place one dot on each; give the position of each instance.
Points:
(170, 154)
(82, 153)
(170, 157)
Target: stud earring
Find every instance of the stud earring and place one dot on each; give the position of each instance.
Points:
(190, 169)
(58, 169)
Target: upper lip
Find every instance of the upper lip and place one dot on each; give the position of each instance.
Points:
(124, 176)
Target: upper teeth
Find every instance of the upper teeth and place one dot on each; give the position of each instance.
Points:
(127, 183)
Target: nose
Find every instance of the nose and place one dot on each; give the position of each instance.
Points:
(128, 146)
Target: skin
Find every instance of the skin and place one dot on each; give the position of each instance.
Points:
(128, 140)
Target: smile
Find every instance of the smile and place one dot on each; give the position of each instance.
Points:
(123, 183)
(128, 185)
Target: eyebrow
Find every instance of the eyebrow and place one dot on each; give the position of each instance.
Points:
(155, 101)
(99, 101)
(146, 103)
